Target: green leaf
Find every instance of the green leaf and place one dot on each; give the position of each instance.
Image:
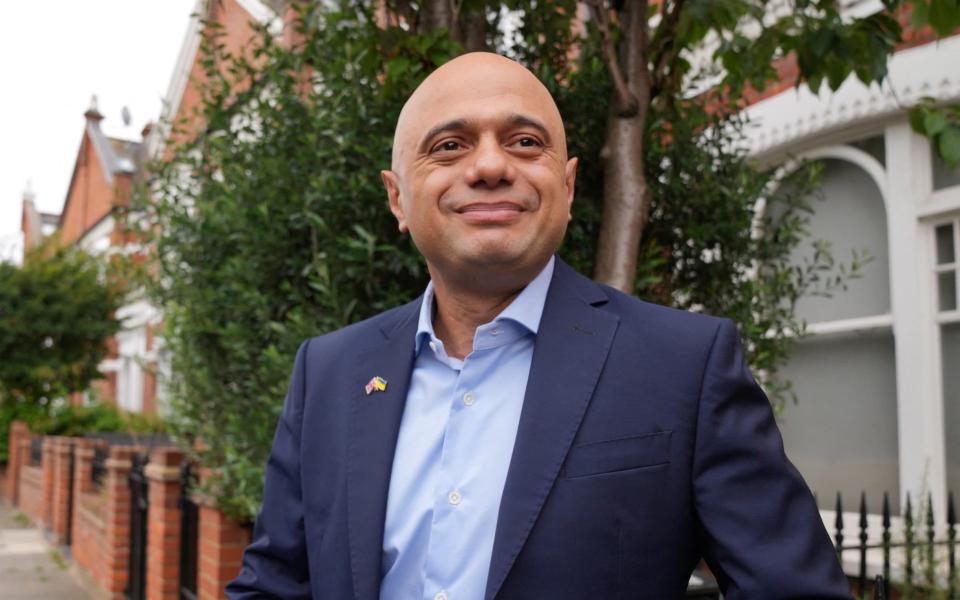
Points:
(948, 145)
(917, 114)
(934, 122)
(944, 16)
(921, 14)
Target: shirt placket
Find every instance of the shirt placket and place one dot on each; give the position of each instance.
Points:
(452, 501)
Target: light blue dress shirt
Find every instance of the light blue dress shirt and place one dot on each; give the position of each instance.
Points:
(453, 451)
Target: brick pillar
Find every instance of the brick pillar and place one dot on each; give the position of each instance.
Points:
(47, 459)
(18, 429)
(222, 541)
(82, 469)
(163, 539)
(117, 519)
(60, 499)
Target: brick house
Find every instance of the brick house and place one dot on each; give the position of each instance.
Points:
(104, 174)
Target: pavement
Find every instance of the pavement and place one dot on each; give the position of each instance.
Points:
(30, 568)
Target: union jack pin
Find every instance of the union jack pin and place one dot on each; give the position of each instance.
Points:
(377, 384)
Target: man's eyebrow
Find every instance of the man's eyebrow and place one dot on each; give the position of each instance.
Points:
(514, 120)
(452, 125)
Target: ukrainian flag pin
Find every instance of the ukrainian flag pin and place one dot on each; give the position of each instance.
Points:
(377, 384)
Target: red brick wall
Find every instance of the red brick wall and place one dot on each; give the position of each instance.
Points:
(89, 544)
(31, 493)
(222, 541)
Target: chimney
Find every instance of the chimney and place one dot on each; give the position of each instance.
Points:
(30, 224)
(93, 114)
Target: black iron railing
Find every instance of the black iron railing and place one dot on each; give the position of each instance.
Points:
(36, 451)
(139, 506)
(189, 528)
(918, 546)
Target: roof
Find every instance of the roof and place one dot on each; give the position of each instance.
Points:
(117, 156)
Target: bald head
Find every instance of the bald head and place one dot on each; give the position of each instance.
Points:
(480, 176)
(456, 92)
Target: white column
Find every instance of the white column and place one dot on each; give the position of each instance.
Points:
(917, 337)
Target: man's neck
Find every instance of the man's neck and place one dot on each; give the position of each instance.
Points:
(459, 310)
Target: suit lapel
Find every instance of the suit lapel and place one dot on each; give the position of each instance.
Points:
(570, 351)
(374, 423)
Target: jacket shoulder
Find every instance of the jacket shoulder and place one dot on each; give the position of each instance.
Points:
(362, 333)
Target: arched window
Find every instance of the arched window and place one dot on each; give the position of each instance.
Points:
(842, 433)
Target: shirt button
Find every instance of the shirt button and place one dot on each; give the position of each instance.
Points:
(440, 596)
(433, 346)
(454, 498)
(469, 398)
(494, 331)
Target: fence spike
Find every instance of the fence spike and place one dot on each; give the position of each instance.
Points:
(951, 513)
(908, 543)
(863, 543)
(951, 549)
(886, 543)
(931, 533)
(839, 524)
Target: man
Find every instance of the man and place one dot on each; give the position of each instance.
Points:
(520, 432)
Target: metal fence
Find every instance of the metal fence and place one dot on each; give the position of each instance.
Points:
(36, 451)
(189, 522)
(139, 507)
(925, 571)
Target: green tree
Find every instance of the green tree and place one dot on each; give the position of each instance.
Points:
(270, 225)
(56, 314)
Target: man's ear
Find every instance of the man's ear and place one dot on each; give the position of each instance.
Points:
(392, 184)
(570, 180)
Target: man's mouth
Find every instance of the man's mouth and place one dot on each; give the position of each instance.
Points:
(490, 213)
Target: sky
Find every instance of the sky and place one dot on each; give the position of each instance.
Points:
(54, 56)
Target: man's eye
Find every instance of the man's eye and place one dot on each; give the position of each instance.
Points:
(448, 146)
(528, 142)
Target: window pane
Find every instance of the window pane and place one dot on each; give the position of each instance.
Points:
(943, 175)
(852, 217)
(945, 249)
(947, 283)
(950, 349)
(842, 433)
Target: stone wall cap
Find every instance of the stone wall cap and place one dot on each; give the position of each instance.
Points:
(118, 463)
(162, 472)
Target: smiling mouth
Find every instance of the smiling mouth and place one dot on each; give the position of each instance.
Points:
(491, 213)
(490, 207)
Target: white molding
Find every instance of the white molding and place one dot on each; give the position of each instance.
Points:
(793, 117)
(263, 14)
(93, 239)
(178, 82)
(941, 202)
(137, 314)
(855, 325)
(950, 316)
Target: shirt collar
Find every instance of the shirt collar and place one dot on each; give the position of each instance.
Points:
(526, 309)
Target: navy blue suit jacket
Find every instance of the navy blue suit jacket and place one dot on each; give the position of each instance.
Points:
(644, 444)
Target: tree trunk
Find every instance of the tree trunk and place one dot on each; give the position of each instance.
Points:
(436, 14)
(475, 30)
(626, 198)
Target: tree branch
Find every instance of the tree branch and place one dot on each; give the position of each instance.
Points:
(626, 101)
(666, 37)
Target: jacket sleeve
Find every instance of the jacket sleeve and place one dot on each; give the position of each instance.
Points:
(275, 562)
(759, 527)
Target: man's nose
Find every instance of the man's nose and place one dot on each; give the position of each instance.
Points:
(491, 164)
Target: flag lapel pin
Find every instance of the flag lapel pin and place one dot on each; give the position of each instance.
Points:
(376, 384)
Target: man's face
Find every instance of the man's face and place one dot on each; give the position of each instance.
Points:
(480, 175)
